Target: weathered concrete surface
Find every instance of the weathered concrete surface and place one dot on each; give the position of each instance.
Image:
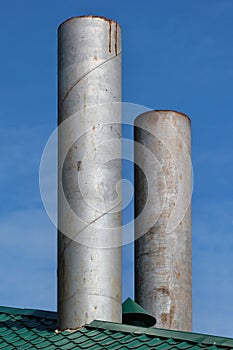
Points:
(163, 258)
(89, 268)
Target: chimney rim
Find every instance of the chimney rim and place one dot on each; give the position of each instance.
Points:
(165, 110)
(109, 20)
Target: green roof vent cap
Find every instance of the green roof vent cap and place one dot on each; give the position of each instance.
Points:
(133, 314)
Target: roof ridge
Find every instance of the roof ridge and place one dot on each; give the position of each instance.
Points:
(137, 331)
(190, 337)
(28, 312)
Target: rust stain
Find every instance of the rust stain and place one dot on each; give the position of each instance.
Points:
(110, 37)
(79, 165)
(115, 35)
(69, 155)
(172, 312)
(167, 319)
(85, 101)
(95, 58)
(161, 250)
(145, 254)
(163, 290)
(164, 318)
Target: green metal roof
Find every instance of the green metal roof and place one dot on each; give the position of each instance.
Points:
(32, 329)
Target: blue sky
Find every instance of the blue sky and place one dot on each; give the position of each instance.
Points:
(177, 55)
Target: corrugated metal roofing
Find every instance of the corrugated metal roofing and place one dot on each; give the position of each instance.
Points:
(31, 329)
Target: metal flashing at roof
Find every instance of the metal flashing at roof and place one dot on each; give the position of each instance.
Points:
(198, 338)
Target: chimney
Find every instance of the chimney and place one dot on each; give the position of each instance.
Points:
(163, 260)
(89, 167)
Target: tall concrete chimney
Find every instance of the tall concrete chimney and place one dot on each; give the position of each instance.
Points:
(163, 260)
(89, 257)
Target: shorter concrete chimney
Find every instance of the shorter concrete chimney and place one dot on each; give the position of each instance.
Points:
(163, 259)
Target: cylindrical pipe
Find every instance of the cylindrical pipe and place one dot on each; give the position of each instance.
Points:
(163, 257)
(89, 256)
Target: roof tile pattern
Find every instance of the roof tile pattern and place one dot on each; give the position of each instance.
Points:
(30, 329)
